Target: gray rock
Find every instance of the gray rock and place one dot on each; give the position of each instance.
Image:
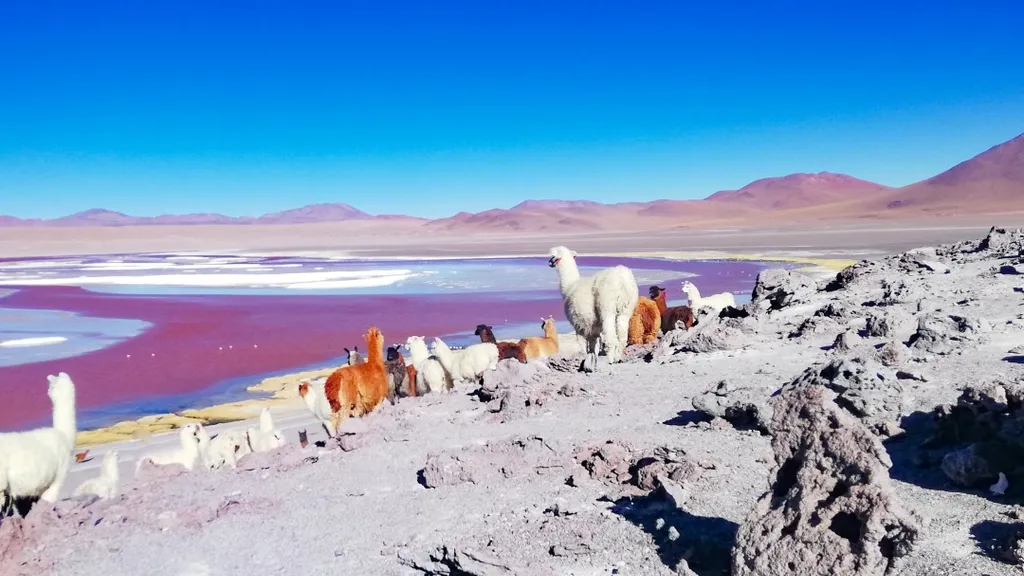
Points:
(865, 388)
(446, 561)
(781, 288)
(944, 333)
(971, 466)
(846, 342)
(744, 408)
(831, 509)
(933, 266)
(893, 354)
(713, 336)
(900, 292)
(816, 325)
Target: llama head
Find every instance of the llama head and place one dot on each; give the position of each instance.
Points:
(482, 328)
(558, 254)
(413, 340)
(61, 389)
(392, 353)
(655, 292)
(189, 435)
(439, 344)
(374, 342)
(688, 287)
(303, 388)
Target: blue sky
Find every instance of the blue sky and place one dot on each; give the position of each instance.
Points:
(429, 108)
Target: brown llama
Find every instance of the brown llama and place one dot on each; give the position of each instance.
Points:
(673, 315)
(505, 349)
(542, 347)
(357, 390)
(645, 323)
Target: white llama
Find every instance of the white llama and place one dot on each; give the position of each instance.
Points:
(35, 464)
(597, 307)
(186, 454)
(267, 437)
(716, 302)
(315, 398)
(468, 364)
(104, 485)
(430, 372)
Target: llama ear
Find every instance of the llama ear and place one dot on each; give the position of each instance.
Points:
(573, 252)
(347, 351)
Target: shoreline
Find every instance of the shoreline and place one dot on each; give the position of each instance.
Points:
(283, 390)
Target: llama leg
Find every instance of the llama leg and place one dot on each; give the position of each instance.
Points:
(609, 334)
(590, 360)
(622, 329)
(50, 494)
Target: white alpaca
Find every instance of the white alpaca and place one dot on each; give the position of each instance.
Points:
(105, 485)
(597, 307)
(468, 364)
(186, 454)
(223, 450)
(267, 437)
(34, 464)
(430, 372)
(716, 302)
(315, 398)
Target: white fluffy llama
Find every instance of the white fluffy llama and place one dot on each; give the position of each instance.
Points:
(468, 364)
(34, 464)
(429, 370)
(597, 307)
(223, 450)
(186, 454)
(104, 485)
(315, 398)
(266, 437)
(716, 301)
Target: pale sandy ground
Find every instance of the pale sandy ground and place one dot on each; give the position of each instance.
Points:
(832, 239)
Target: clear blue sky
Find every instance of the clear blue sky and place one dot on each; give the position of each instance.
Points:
(432, 107)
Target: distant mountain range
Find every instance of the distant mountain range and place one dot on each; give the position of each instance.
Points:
(991, 182)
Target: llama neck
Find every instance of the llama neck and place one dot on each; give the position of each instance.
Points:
(487, 337)
(693, 293)
(444, 355)
(64, 420)
(109, 468)
(660, 302)
(375, 355)
(568, 276)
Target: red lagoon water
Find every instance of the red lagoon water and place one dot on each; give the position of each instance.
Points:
(198, 341)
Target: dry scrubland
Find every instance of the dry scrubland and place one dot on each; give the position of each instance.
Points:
(851, 425)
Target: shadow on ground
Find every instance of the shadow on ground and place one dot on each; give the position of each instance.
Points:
(995, 539)
(705, 543)
(688, 417)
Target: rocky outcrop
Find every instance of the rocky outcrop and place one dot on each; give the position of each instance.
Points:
(939, 333)
(864, 388)
(778, 288)
(744, 408)
(830, 509)
(982, 435)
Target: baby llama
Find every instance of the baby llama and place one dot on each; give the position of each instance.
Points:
(670, 317)
(597, 307)
(430, 372)
(468, 364)
(105, 485)
(542, 347)
(34, 464)
(645, 323)
(267, 437)
(186, 454)
(716, 302)
(225, 449)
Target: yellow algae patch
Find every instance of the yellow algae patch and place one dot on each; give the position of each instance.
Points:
(287, 386)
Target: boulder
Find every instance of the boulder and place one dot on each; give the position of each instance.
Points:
(830, 509)
(744, 408)
(780, 288)
(939, 333)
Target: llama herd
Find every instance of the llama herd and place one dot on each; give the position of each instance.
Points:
(604, 309)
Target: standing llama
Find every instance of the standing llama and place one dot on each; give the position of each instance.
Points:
(597, 307)
(670, 317)
(35, 464)
(716, 302)
(105, 485)
(358, 390)
(430, 372)
(645, 323)
(315, 398)
(468, 364)
(542, 347)
(401, 379)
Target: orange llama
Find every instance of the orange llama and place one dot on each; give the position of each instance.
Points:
(542, 347)
(357, 390)
(645, 323)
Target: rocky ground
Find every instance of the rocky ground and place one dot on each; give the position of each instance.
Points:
(853, 425)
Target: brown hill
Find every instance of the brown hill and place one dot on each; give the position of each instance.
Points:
(799, 191)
